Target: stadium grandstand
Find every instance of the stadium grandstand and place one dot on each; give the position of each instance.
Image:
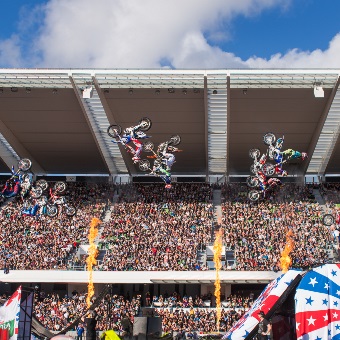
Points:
(156, 245)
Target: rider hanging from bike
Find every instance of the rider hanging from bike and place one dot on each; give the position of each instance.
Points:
(291, 154)
(165, 159)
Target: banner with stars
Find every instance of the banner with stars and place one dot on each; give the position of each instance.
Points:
(268, 298)
(9, 314)
(317, 304)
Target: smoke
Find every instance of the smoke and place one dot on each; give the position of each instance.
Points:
(91, 259)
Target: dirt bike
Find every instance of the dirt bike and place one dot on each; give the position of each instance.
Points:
(173, 141)
(272, 183)
(260, 163)
(115, 130)
(58, 203)
(13, 184)
(160, 161)
(131, 134)
(274, 146)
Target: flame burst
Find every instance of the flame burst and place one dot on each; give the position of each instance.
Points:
(218, 265)
(91, 259)
(285, 260)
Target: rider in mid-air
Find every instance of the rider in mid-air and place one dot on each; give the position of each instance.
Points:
(133, 134)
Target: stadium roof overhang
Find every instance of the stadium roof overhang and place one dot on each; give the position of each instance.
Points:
(219, 114)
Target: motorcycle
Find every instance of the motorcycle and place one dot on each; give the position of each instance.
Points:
(57, 203)
(160, 161)
(133, 134)
(272, 183)
(13, 185)
(260, 164)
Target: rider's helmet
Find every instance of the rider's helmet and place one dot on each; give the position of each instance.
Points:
(279, 143)
(304, 155)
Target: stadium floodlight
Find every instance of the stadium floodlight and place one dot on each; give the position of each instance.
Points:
(318, 91)
(88, 92)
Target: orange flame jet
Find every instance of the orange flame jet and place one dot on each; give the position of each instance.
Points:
(218, 265)
(91, 259)
(285, 260)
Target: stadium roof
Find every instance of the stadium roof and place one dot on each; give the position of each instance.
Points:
(219, 114)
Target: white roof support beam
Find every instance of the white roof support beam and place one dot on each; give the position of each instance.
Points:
(217, 128)
(13, 150)
(130, 168)
(92, 121)
(326, 135)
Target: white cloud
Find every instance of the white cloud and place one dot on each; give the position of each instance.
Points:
(302, 59)
(139, 34)
(10, 53)
(142, 34)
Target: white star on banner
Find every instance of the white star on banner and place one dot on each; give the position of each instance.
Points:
(325, 317)
(313, 282)
(326, 285)
(338, 292)
(311, 321)
(335, 315)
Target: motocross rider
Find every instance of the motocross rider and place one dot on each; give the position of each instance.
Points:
(132, 134)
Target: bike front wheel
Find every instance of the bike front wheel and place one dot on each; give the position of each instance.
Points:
(145, 124)
(269, 138)
(24, 164)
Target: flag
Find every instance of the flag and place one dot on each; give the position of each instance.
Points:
(264, 302)
(9, 314)
(317, 304)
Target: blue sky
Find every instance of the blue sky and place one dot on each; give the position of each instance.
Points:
(154, 33)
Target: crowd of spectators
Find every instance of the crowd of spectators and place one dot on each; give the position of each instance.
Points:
(57, 312)
(152, 228)
(43, 242)
(257, 231)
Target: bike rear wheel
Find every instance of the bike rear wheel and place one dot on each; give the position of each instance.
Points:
(24, 164)
(59, 187)
(145, 124)
(36, 192)
(175, 140)
(51, 210)
(328, 220)
(70, 210)
(269, 169)
(253, 195)
(148, 146)
(114, 130)
(144, 165)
